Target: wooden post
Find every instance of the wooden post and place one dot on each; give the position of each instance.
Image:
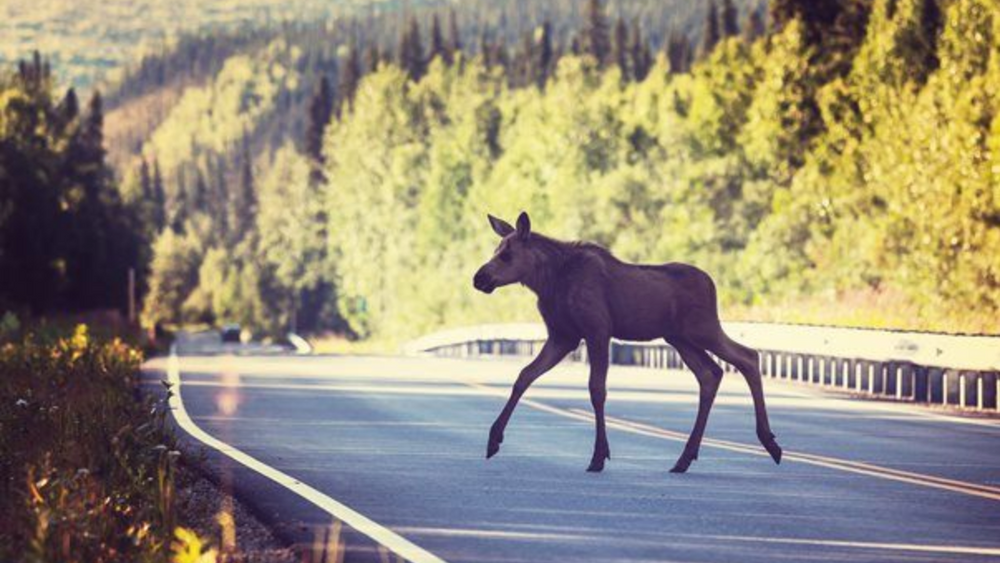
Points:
(131, 296)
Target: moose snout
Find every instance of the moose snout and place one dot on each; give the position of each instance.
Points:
(483, 281)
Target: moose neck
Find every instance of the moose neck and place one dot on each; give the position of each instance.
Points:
(551, 256)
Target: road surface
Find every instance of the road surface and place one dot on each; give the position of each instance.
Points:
(402, 441)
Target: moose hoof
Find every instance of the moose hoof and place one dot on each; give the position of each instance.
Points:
(774, 449)
(492, 448)
(682, 465)
(596, 465)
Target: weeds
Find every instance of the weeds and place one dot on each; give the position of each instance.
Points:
(87, 467)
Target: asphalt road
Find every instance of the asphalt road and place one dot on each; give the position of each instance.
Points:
(402, 441)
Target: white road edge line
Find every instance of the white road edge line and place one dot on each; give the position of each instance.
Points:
(380, 534)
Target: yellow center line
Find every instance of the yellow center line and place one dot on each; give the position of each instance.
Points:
(924, 548)
(920, 479)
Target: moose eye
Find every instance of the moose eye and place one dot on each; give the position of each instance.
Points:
(505, 256)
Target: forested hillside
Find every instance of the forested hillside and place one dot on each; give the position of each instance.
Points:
(833, 161)
(88, 42)
(207, 122)
(848, 157)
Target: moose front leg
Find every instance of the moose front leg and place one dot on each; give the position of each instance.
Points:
(553, 351)
(597, 354)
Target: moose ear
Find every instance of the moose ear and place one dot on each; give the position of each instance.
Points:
(523, 225)
(500, 226)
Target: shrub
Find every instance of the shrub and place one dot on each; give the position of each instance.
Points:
(86, 465)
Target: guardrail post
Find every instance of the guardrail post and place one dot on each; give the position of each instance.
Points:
(995, 395)
(971, 382)
(936, 392)
(952, 388)
(986, 395)
(920, 376)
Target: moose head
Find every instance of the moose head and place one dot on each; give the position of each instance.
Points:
(513, 261)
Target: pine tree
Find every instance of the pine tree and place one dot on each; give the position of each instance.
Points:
(372, 57)
(598, 43)
(438, 47)
(69, 109)
(350, 78)
(545, 54)
(639, 52)
(816, 15)
(158, 198)
(93, 129)
(501, 57)
(620, 50)
(678, 53)
(411, 51)
(730, 19)
(180, 208)
(710, 33)
(244, 204)
(321, 111)
(524, 63)
(217, 192)
(145, 180)
(454, 37)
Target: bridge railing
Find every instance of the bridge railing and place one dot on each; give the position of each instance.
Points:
(939, 369)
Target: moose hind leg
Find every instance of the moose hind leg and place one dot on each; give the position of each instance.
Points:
(709, 376)
(747, 361)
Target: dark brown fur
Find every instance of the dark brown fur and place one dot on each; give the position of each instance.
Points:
(585, 293)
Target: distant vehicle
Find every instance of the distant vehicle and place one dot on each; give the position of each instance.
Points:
(230, 333)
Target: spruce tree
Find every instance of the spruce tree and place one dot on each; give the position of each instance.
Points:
(525, 62)
(372, 57)
(598, 43)
(145, 181)
(350, 78)
(69, 109)
(485, 50)
(710, 33)
(197, 199)
(620, 48)
(639, 52)
(454, 36)
(180, 208)
(411, 51)
(730, 19)
(438, 47)
(244, 203)
(545, 55)
(321, 110)
(678, 53)
(158, 198)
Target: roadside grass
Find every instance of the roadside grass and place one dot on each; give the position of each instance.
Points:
(87, 465)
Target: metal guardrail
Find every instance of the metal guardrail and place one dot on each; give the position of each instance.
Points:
(938, 369)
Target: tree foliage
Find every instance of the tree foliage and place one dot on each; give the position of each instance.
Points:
(846, 152)
(66, 238)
